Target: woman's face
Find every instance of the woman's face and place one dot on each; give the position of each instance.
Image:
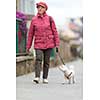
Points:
(41, 9)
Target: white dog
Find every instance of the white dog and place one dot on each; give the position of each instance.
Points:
(69, 73)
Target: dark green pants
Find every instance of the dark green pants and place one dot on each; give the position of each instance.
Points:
(42, 55)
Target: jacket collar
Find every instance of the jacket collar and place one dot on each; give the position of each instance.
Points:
(38, 15)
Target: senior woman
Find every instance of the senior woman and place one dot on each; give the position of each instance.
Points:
(45, 35)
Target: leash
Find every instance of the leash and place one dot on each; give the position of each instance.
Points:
(50, 20)
(61, 58)
(68, 77)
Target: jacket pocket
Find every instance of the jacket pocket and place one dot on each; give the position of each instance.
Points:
(38, 40)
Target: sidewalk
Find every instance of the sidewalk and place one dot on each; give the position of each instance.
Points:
(54, 90)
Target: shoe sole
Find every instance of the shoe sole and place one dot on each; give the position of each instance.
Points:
(45, 82)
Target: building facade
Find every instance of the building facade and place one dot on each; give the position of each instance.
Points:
(27, 8)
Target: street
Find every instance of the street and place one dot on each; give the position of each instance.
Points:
(54, 90)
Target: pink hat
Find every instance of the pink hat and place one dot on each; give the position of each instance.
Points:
(42, 4)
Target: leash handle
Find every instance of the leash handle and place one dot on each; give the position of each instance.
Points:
(61, 58)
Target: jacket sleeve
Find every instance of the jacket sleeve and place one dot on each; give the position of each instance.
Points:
(30, 36)
(56, 36)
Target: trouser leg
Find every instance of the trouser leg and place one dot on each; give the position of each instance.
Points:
(38, 62)
(46, 62)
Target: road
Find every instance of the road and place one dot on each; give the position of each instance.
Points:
(54, 90)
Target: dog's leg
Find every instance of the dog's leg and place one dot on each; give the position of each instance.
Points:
(69, 81)
(64, 80)
(73, 79)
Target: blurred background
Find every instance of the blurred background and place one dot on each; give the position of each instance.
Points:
(69, 21)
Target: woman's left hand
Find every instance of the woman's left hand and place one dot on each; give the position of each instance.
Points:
(56, 50)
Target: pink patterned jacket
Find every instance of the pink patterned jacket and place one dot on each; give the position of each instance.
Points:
(44, 36)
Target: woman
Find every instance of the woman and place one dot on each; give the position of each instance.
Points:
(45, 35)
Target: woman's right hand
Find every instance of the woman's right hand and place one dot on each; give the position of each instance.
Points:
(27, 51)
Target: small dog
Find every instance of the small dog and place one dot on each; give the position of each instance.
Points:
(69, 73)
